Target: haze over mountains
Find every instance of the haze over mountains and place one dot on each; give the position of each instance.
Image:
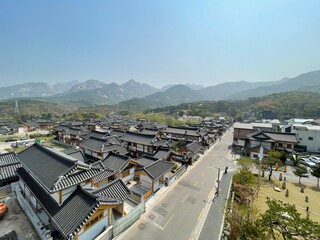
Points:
(144, 96)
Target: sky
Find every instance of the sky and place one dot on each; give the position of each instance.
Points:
(157, 42)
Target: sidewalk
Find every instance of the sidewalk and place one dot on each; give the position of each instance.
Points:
(213, 224)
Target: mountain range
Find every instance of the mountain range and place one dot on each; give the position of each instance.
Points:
(142, 96)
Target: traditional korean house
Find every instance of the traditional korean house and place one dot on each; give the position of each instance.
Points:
(270, 141)
(138, 144)
(59, 187)
(99, 148)
(121, 165)
(154, 176)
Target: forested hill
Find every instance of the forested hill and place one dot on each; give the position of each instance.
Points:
(283, 105)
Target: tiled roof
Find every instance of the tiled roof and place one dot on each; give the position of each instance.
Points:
(194, 147)
(116, 162)
(162, 153)
(72, 215)
(121, 150)
(77, 154)
(116, 133)
(96, 134)
(158, 169)
(144, 139)
(275, 136)
(74, 131)
(8, 165)
(7, 158)
(47, 165)
(101, 145)
(149, 131)
(182, 131)
(145, 160)
(114, 193)
(103, 175)
(76, 178)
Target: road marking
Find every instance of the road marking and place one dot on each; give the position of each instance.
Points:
(185, 198)
(203, 173)
(209, 195)
(167, 222)
(200, 214)
(152, 222)
(195, 183)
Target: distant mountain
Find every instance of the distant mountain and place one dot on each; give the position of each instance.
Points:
(191, 86)
(94, 92)
(194, 86)
(87, 85)
(135, 89)
(64, 86)
(173, 96)
(34, 89)
(301, 82)
(224, 90)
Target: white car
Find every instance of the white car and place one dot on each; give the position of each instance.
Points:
(315, 159)
(307, 162)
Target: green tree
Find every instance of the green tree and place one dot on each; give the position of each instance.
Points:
(245, 163)
(316, 173)
(300, 171)
(284, 218)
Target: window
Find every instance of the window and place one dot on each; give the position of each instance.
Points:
(300, 139)
(289, 145)
(280, 144)
(310, 138)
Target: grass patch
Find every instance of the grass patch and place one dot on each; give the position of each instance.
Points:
(295, 197)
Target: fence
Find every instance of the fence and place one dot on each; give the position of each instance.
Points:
(30, 213)
(123, 223)
(126, 221)
(177, 174)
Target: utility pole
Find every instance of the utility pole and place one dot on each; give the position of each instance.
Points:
(218, 182)
(260, 162)
(16, 108)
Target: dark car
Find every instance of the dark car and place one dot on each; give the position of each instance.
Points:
(10, 140)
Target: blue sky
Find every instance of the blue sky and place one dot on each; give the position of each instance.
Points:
(160, 42)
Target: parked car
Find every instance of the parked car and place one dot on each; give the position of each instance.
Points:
(307, 162)
(315, 159)
(10, 140)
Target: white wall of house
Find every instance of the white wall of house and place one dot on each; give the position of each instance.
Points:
(130, 176)
(93, 231)
(167, 175)
(156, 185)
(145, 181)
(310, 139)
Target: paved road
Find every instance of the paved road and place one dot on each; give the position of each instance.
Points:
(182, 210)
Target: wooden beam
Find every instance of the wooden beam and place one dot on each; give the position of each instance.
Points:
(122, 208)
(109, 216)
(60, 197)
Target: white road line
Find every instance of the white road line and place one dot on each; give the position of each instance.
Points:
(168, 222)
(200, 214)
(185, 198)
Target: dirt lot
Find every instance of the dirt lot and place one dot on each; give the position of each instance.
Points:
(16, 220)
(295, 197)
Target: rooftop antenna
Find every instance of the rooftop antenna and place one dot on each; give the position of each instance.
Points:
(16, 108)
